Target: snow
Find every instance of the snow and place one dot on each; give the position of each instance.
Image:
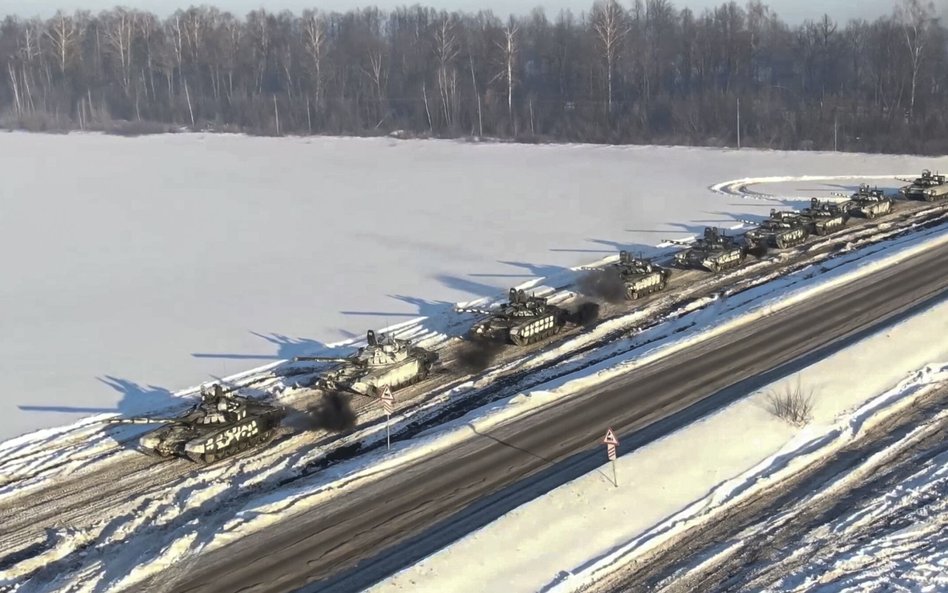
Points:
(158, 534)
(583, 530)
(136, 267)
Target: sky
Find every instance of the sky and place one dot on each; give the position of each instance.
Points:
(791, 11)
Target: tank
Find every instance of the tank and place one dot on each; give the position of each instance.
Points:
(523, 320)
(868, 203)
(219, 426)
(385, 361)
(715, 251)
(929, 187)
(640, 276)
(823, 218)
(784, 229)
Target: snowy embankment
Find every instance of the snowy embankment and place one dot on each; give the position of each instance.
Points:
(269, 508)
(165, 546)
(152, 278)
(588, 528)
(44, 454)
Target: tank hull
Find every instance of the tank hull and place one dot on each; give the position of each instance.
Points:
(872, 210)
(928, 194)
(205, 443)
(408, 372)
(714, 261)
(782, 239)
(519, 332)
(644, 284)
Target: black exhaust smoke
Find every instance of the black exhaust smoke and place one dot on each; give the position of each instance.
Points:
(605, 285)
(475, 356)
(585, 314)
(333, 413)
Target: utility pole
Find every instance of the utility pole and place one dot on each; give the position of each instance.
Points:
(738, 123)
(835, 133)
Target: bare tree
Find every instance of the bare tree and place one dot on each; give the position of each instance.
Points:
(119, 29)
(446, 49)
(314, 40)
(916, 21)
(611, 26)
(508, 47)
(62, 34)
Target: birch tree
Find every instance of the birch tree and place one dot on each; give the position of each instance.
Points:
(508, 47)
(446, 50)
(915, 19)
(62, 33)
(610, 25)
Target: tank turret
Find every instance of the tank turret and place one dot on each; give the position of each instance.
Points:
(383, 361)
(523, 320)
(221, 425)
(714, 251)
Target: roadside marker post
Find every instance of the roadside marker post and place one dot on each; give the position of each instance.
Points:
(611, 442)
(388, 404)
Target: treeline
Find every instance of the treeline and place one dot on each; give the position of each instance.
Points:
(648, 72)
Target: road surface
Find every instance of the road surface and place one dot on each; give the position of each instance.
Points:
(351, 541)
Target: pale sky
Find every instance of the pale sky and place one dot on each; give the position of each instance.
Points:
(791, 11)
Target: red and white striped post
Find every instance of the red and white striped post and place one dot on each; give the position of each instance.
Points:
(388, 404)
(611, 442)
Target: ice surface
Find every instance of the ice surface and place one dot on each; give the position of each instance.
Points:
(134, 267)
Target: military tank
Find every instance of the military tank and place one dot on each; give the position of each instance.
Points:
(385, 361)
(640, 276)
(784, 229)
(523, 320)
(868, 203)
(715, 251)
(219, 426)
(823, 218)
(929, 187)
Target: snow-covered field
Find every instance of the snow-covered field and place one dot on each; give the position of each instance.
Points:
(136, 267)
(153, 529)
(582, 531)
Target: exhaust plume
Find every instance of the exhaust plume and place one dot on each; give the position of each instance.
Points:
(333, 413)
(475, 356)
(605, 285)
(585, 314)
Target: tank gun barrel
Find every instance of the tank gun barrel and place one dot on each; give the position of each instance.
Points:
(323, 359)
(475, 310)
(143, 420)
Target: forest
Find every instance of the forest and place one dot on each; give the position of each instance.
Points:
(643, 72)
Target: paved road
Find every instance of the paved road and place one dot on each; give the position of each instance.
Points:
(348, 543)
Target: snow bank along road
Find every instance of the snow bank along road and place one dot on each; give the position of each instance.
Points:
(871, 517)
(350, 540)
(109, 495)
